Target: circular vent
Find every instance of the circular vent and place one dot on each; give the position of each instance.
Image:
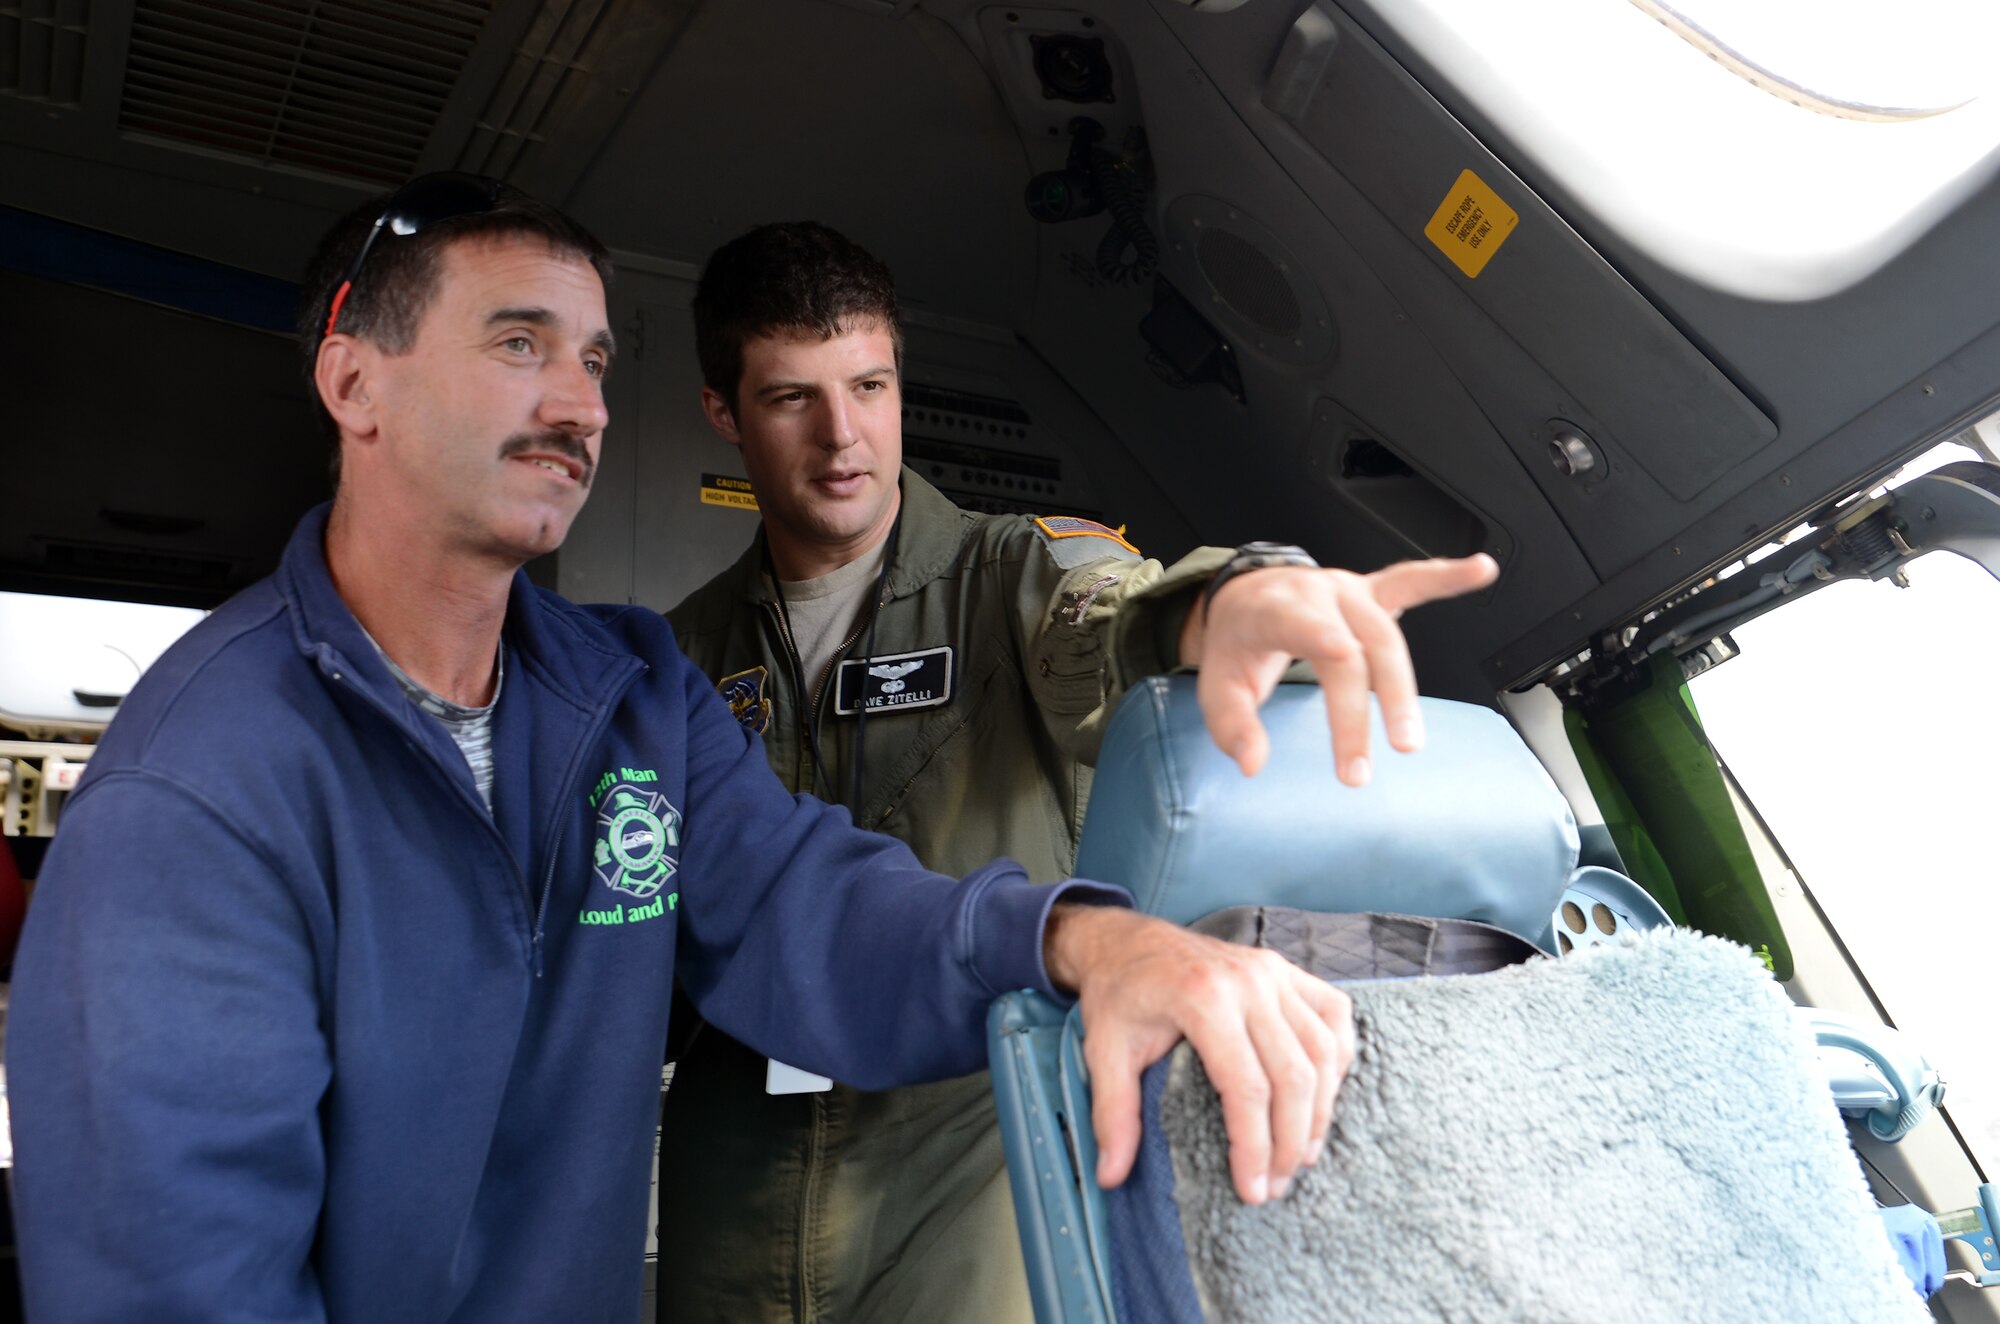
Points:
(1245, 281)
(1248, 281)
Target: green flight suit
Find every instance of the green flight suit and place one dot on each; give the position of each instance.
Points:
(852, 1206)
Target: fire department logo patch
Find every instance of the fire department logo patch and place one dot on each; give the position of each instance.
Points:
(638, 840)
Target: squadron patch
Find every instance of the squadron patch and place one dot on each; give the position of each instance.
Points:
(900, 680)
(745, 693)
(1059, 531)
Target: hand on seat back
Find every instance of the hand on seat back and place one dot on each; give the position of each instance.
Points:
(1276, 1042)
(1344, 624)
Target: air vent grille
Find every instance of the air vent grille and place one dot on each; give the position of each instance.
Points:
(347, 87)
(134, 565)
(1249, 281)
(971, 447)
(41, 50)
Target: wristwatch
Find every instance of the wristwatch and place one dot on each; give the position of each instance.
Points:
(1254, 556)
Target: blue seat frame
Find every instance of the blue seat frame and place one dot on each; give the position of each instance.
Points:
(1172, 820)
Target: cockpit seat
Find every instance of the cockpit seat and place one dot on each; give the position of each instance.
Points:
(1636, 1131)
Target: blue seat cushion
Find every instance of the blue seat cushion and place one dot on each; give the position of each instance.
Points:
(1469, 828)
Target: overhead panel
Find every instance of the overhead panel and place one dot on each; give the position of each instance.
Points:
(553, 54)
(567, 81)
(42, 49)
(1256, 286)
(1657, 398)
(344, 87)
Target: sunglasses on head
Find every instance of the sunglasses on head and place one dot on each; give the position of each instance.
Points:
(423, 201)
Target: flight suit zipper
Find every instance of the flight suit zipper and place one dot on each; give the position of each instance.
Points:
(809, 722)
(807, 1231)
(809, 1197)
(802, 773)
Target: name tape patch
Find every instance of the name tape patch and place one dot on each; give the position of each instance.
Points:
(902, 680)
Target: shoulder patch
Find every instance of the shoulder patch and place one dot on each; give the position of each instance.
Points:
(1058, 531)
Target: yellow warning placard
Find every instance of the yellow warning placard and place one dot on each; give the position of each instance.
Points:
(722, 490)
(1470, 224)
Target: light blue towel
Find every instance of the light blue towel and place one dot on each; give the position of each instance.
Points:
(1635, 1133)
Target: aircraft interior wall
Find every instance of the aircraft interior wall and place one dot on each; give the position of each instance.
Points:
(1309, 364)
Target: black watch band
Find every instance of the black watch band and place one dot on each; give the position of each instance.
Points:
(1254, 556)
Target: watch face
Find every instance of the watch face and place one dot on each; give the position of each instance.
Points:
(1273, 553)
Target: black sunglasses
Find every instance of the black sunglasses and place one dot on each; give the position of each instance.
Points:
(423, 201)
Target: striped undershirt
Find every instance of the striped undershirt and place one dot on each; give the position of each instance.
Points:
(471, 729)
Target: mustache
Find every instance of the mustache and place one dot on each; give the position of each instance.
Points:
(552, 442)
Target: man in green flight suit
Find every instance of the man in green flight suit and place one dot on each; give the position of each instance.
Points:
(946, 675)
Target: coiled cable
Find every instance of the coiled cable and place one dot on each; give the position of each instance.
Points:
(1129, 233)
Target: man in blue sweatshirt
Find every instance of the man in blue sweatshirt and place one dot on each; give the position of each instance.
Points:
(343, 994)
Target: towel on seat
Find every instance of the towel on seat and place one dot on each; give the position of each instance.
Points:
(1634, 1133)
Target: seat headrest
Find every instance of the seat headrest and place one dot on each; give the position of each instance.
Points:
(1469, 828)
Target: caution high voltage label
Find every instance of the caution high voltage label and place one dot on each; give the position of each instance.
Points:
(722, 490)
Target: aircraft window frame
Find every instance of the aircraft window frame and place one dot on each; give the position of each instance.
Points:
(55, 651)
(1854, 59)
(1624, 114)
(1869, 785)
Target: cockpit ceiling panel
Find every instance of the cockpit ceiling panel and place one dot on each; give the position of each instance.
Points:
(1669, 409)
(42, 54)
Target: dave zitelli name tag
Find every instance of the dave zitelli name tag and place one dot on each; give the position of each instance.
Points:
(901, 680)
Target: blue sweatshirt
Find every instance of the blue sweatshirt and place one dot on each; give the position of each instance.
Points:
(300, 1032)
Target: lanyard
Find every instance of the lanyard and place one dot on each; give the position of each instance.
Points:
(875, 599)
